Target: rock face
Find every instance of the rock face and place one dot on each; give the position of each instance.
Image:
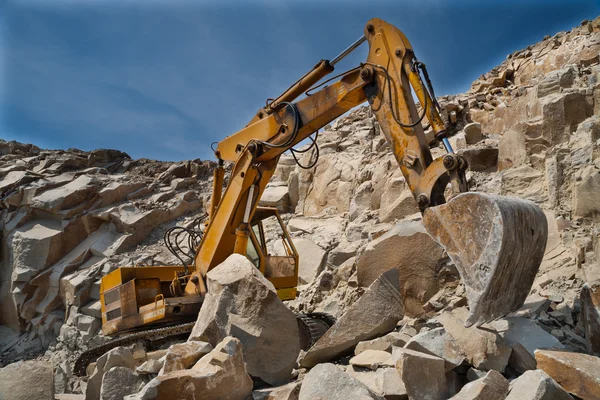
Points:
(27, 380)
(577, 373)
(326, 381)
(221, 374)
(374, 314)
(242, 303)
(417, 257)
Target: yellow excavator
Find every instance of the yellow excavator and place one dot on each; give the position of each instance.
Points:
(496, 242)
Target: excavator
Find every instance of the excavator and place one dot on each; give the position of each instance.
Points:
(497, 243)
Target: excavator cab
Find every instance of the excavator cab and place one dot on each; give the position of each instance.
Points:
(277, 260)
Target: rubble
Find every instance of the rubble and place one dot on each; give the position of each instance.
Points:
(374, 314)
(242, 303)
(437, 342)
(219, 374)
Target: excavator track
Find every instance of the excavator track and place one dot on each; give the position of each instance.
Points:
(153, 338)
(312, 326)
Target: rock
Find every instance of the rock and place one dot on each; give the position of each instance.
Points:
(424, 376)
(26, 380)
(385, 382)
(101, 157)
(242, 303)
(590, 306)
(311, 258)
(473, 132)
(577, 373)
(493, 386)
(484, 349)
(525, 332)
(221, 374)
(276, 196)
(586, 194)
(512, 151)
(534, 305)
(291, 391)
(372, 359)
(417, 257)
(326, 381)
(536, 385)
(481, 159)
(117, 357)
(554, 81)
(394, 207)
(384, 343)
(374, 314)
(521, 359)
(119, 382)
(150, 367)
(184, 355)
(437, 342)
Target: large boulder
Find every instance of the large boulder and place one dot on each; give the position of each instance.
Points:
(483, 348)
(409, 249)
(437, 342)
(492, 386)
(424, 375)
(27, 380)
(537, 385)
(577, 373)
(374, 314)
(219, 375)
(326, 381)
(242, 303)
(119, 382)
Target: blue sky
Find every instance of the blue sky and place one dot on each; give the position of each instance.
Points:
(164, 79)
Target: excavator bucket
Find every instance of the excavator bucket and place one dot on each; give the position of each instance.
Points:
(497, 244)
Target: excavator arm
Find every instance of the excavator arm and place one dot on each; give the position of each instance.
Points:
(386, 81)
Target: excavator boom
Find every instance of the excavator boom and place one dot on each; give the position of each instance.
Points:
(475, 229)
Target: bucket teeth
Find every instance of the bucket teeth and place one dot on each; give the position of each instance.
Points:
(497, 244)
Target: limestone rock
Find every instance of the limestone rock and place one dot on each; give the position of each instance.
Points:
(525, 332)
(385, 382)
(372, 359)
(384, 343)
(414, 254)
(221, 374)
(242, 303)
(311, 258)
(25, 380)
(119, 382)
(374, 314)
(423, 375)
(484, 349)
(150, 366)
(473, 132)
(184, 355)
(590, 305)
(577, 373)
(586, 194)
(437, 342)
(536, 385)
(117, 357)
(326, 381)
(493, 386)
(291, 391)
(276, 196)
